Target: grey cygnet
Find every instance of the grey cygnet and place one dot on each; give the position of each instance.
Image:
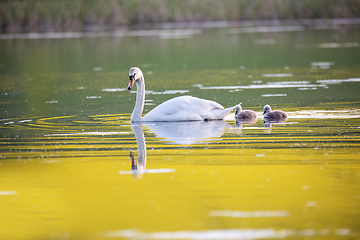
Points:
(244, 114)
(273, 115)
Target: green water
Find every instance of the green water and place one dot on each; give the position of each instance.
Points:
(72, 166)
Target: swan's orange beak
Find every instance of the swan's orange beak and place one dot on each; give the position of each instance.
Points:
(131, 82)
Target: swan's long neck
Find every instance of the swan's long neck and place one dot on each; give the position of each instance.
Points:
(140, 99)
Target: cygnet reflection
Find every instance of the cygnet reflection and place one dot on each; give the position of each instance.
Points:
(268, 124)
(239, 122)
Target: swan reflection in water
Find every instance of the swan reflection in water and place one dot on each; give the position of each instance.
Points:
(137, 166)
(183, 133)
(187, 132)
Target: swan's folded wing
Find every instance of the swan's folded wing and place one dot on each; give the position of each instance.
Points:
(171, 106)
(182, 108)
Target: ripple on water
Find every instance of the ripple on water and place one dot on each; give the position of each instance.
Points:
(338, 81)
(113, 89)
(159, 170)
(301, 85)
(164, 92)
(4, 193)
(86, 133)
(247, 214)
(24, 121)
(206, 234)
(93, 97)
(338, 45)
(274, 95)
(277, 75)
(268, 85)
(325, 114)
(227, 233)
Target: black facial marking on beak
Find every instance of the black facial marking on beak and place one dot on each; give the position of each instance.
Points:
(131, 81)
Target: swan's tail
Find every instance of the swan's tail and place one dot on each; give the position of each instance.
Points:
(238, 106)
(226, 111)
(219, 114)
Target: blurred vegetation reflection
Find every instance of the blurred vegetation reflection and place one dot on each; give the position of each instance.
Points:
(20, 16)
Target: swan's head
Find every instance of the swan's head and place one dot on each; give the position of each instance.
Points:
(134, 74)
(238, 110)
(267, 109)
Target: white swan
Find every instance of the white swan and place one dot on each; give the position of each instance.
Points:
(183, 108)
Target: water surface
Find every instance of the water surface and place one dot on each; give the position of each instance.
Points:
(73, 166)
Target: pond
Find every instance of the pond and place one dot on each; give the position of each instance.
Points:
(73, 166)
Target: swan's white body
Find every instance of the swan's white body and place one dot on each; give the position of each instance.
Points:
(183, 108)
(187, 108)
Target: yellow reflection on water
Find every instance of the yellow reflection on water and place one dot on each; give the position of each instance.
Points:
(84, 197)
(81, 184)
